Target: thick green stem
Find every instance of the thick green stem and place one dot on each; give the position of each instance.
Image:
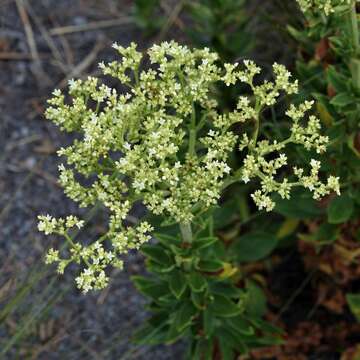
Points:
(354, 28)
(192, 142)
(211, 226)
(355, 62)
(186, 232)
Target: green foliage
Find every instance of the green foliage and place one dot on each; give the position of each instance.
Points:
(220, 25)
(196, 301)
(340, 209)
(146, 15)
(328, 68)
(253, 246)
(300, 206)
(353, 301)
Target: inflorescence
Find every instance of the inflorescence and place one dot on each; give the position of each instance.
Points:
(166, 144)
(327, 6)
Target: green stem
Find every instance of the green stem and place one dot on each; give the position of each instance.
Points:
(354, 62)
(202, 122)
(232, 179)
(136, 75)
(211, 226)
(192, 133)
(229, 181)
(72, 244)
(186, 232)
(257, 125)
(354, 27)
(256, 131)
(192, 142)
(68, 239)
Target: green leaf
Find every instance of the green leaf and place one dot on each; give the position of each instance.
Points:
(337, 80)
(242, 326)
(203, 350)
(224, 307)
(199, 299)
(326, 233)
(183, 317)
(265, 341)
(210, 265)
(266, 327)
(340, 209)
(173, 334)
(231, 341)
(256, 305)
(296, 34)
(177, 283)
(301, 205)
(225, 214)
(352, 143)
(226, 289)
(155, 267)
(167, 239)
(253, 247)
(150, 287)
(204, 242)
(342, 100)
(197, 282)
(157, 254)
(149, 335)
(353, 301)
(227, 352)
(208, 322)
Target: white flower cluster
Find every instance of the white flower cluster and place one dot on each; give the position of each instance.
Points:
(94, 256)
(164, 143)
(313, 183)
(257, 163)
(50, 225)
(327, 6)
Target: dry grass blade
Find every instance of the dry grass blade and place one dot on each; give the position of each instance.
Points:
(46, 176)
(173, 16)
(28, 29)
(41, 76)
(96, 25)
(83, 65)
(90, 352)
(6, 288)
(68, 52)
(24, 141)
(12, 55)
(168, 9)
(56, 53)
(33, 316)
